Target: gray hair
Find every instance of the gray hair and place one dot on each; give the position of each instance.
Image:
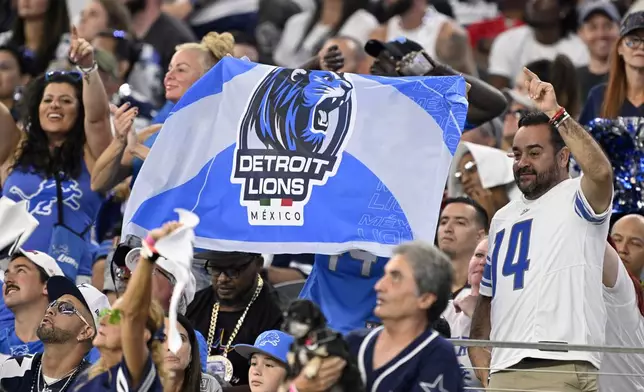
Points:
(433, 273)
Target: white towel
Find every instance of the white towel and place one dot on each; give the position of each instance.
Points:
(178, 247)
(17, 224)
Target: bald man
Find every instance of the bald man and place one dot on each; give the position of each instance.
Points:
(353, 52)
(628, 235)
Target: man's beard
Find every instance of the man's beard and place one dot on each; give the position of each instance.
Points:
(49, 334)
(135, 6)
(542, 183)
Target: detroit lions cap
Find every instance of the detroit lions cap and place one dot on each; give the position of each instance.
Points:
(273, 343)
(91, 298)
(41, 259)
(398, 47)
(604, 7)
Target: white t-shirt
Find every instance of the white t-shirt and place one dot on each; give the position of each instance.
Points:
(624, 328)
(460, 323)
(544, 274)
(516, 47)
(426, 34)
(287, 54)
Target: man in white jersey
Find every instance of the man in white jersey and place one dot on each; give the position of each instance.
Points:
(543, 276)
(624, 327)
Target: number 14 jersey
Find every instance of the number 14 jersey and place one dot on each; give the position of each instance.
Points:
(544, 274)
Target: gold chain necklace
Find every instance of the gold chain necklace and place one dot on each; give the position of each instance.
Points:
(215, 314)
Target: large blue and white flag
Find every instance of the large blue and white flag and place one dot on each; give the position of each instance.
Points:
(276, 160)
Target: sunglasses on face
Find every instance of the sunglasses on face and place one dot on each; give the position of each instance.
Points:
(67, 309)
(469, 167)
(170, 278)
(113, 315)
(231, 273)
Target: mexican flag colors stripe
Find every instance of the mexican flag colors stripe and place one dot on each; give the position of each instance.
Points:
(276, 202)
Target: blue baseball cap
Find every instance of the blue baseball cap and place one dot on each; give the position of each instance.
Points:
(273, 343)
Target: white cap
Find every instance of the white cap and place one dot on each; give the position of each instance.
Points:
(43, 260)
(170, 267)
(90, 296)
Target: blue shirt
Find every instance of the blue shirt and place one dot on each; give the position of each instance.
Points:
(593, 105)
(10, 344)
(80, 203)
(342, 286)
(117, 379)
(428, 364)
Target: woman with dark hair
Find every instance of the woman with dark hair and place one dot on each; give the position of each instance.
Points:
(41, 30)
(622, 96)
(305, 33)
(66, 120)
(183, 369)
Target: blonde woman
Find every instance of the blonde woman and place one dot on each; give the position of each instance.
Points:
(125, 156)
(130, 335)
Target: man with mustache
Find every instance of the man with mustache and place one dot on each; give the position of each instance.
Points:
(25, 294)
(543, 276)
(66, 330)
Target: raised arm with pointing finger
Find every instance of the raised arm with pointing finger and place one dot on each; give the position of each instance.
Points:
(597, 181)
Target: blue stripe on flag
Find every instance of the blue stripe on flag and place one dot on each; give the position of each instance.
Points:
(449, 110)
(213, 81)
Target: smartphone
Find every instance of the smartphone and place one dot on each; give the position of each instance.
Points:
(415, 64)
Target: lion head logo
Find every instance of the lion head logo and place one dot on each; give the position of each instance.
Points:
(291, 110)
(291, 137)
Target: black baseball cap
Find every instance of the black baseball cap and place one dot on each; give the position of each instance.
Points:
(603, 7)
(397, 48)
(221, 259)
(632, 22)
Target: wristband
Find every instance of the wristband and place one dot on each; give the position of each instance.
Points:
(560, 113)
(149, 252)
(292, 388)
(85, 71)
(560, 119)
(150, 240)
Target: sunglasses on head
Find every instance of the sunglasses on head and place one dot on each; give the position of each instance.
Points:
(73, 75)
(67, 309)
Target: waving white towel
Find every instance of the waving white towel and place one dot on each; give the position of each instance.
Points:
(17, 224)
(178, 247)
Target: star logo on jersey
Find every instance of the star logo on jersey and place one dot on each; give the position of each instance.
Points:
(436, 386)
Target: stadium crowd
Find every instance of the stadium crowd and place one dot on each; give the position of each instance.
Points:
(86, 85)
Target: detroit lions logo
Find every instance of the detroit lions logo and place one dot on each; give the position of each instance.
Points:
(269, 338)
(43, 199)
(291, 137)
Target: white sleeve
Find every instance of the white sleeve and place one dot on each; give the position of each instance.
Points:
(621, 299)
(501, 61)
(359, 26)
(585, 211)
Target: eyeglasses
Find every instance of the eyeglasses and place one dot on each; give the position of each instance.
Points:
(73, 75)
(633, 41)
(67, 309)
(469, 167)
(114, 315)
(231, 273)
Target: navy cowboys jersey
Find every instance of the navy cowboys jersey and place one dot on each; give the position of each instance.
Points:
(20, 373)
(117, 379)
(428, 364)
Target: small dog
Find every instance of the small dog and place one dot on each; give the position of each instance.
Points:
(313, 342)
